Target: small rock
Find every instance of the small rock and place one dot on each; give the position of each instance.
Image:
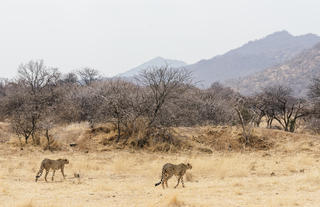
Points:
(272, 174)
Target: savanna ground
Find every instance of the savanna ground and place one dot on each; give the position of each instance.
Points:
(286, 174)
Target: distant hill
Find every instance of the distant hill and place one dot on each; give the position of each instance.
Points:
(155, 62)
(296, 73)
(253, 57)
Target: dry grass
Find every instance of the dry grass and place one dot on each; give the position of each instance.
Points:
(127, 179)
(286, 175)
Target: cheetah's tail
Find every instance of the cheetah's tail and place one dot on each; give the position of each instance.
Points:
(157, 183)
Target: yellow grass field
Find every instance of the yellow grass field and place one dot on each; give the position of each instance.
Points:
(288, 175)
(127, 179)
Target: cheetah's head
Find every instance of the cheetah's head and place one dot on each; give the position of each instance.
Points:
(189, 166)
(65, 161)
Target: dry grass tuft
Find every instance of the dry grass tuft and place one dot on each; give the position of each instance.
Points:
(27, 204)
(174, 202)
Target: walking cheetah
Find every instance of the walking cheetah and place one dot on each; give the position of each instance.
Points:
(48, 164)
(168, 170)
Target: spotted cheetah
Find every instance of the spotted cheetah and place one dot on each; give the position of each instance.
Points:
(168, 170)
(48, 164)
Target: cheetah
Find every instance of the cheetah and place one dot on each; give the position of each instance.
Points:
(48, 164)
(168, 170)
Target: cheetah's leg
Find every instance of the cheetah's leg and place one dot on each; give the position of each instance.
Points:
(167, 180)
(39, 174)
(54, 171)
(45, 177)
(163, 182)
(62, 171)
(182, 182)
(178, 182)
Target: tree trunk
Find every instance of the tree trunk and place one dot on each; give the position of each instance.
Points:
(48, 139)
(35, 139)
(246, 136)
(118, 128)
(292, 125)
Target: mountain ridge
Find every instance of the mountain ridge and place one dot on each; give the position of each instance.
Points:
(154, 62)
(297, 73)
(252, 57)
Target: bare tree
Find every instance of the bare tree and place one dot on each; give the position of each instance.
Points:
(285, 108)
(36, 76)
(32, 93)
(15, 107)
(217, 104)
(88, 75)
(121, 103)
(48, 121)
(163, 84)
(313, 119)
(70, 78)
(247, 117)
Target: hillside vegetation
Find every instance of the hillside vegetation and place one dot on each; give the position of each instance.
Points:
(205, 139)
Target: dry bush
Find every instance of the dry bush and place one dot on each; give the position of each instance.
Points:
(223, 138)
(54, 145)
(100, 129)
(313, 124)
(256, 143)
(159, 140)
(5, 133)
(138, 136)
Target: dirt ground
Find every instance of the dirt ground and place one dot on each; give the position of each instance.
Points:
(121, 178)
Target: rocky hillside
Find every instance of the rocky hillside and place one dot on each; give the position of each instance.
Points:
(255, 56)
(296, 73)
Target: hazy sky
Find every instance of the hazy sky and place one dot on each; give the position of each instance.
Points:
(116, 35)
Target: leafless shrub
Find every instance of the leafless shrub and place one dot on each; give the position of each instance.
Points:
(313, 124)
(246, 119)
(29, 97)
(88, 76)
(163, 85)
(285, 108)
